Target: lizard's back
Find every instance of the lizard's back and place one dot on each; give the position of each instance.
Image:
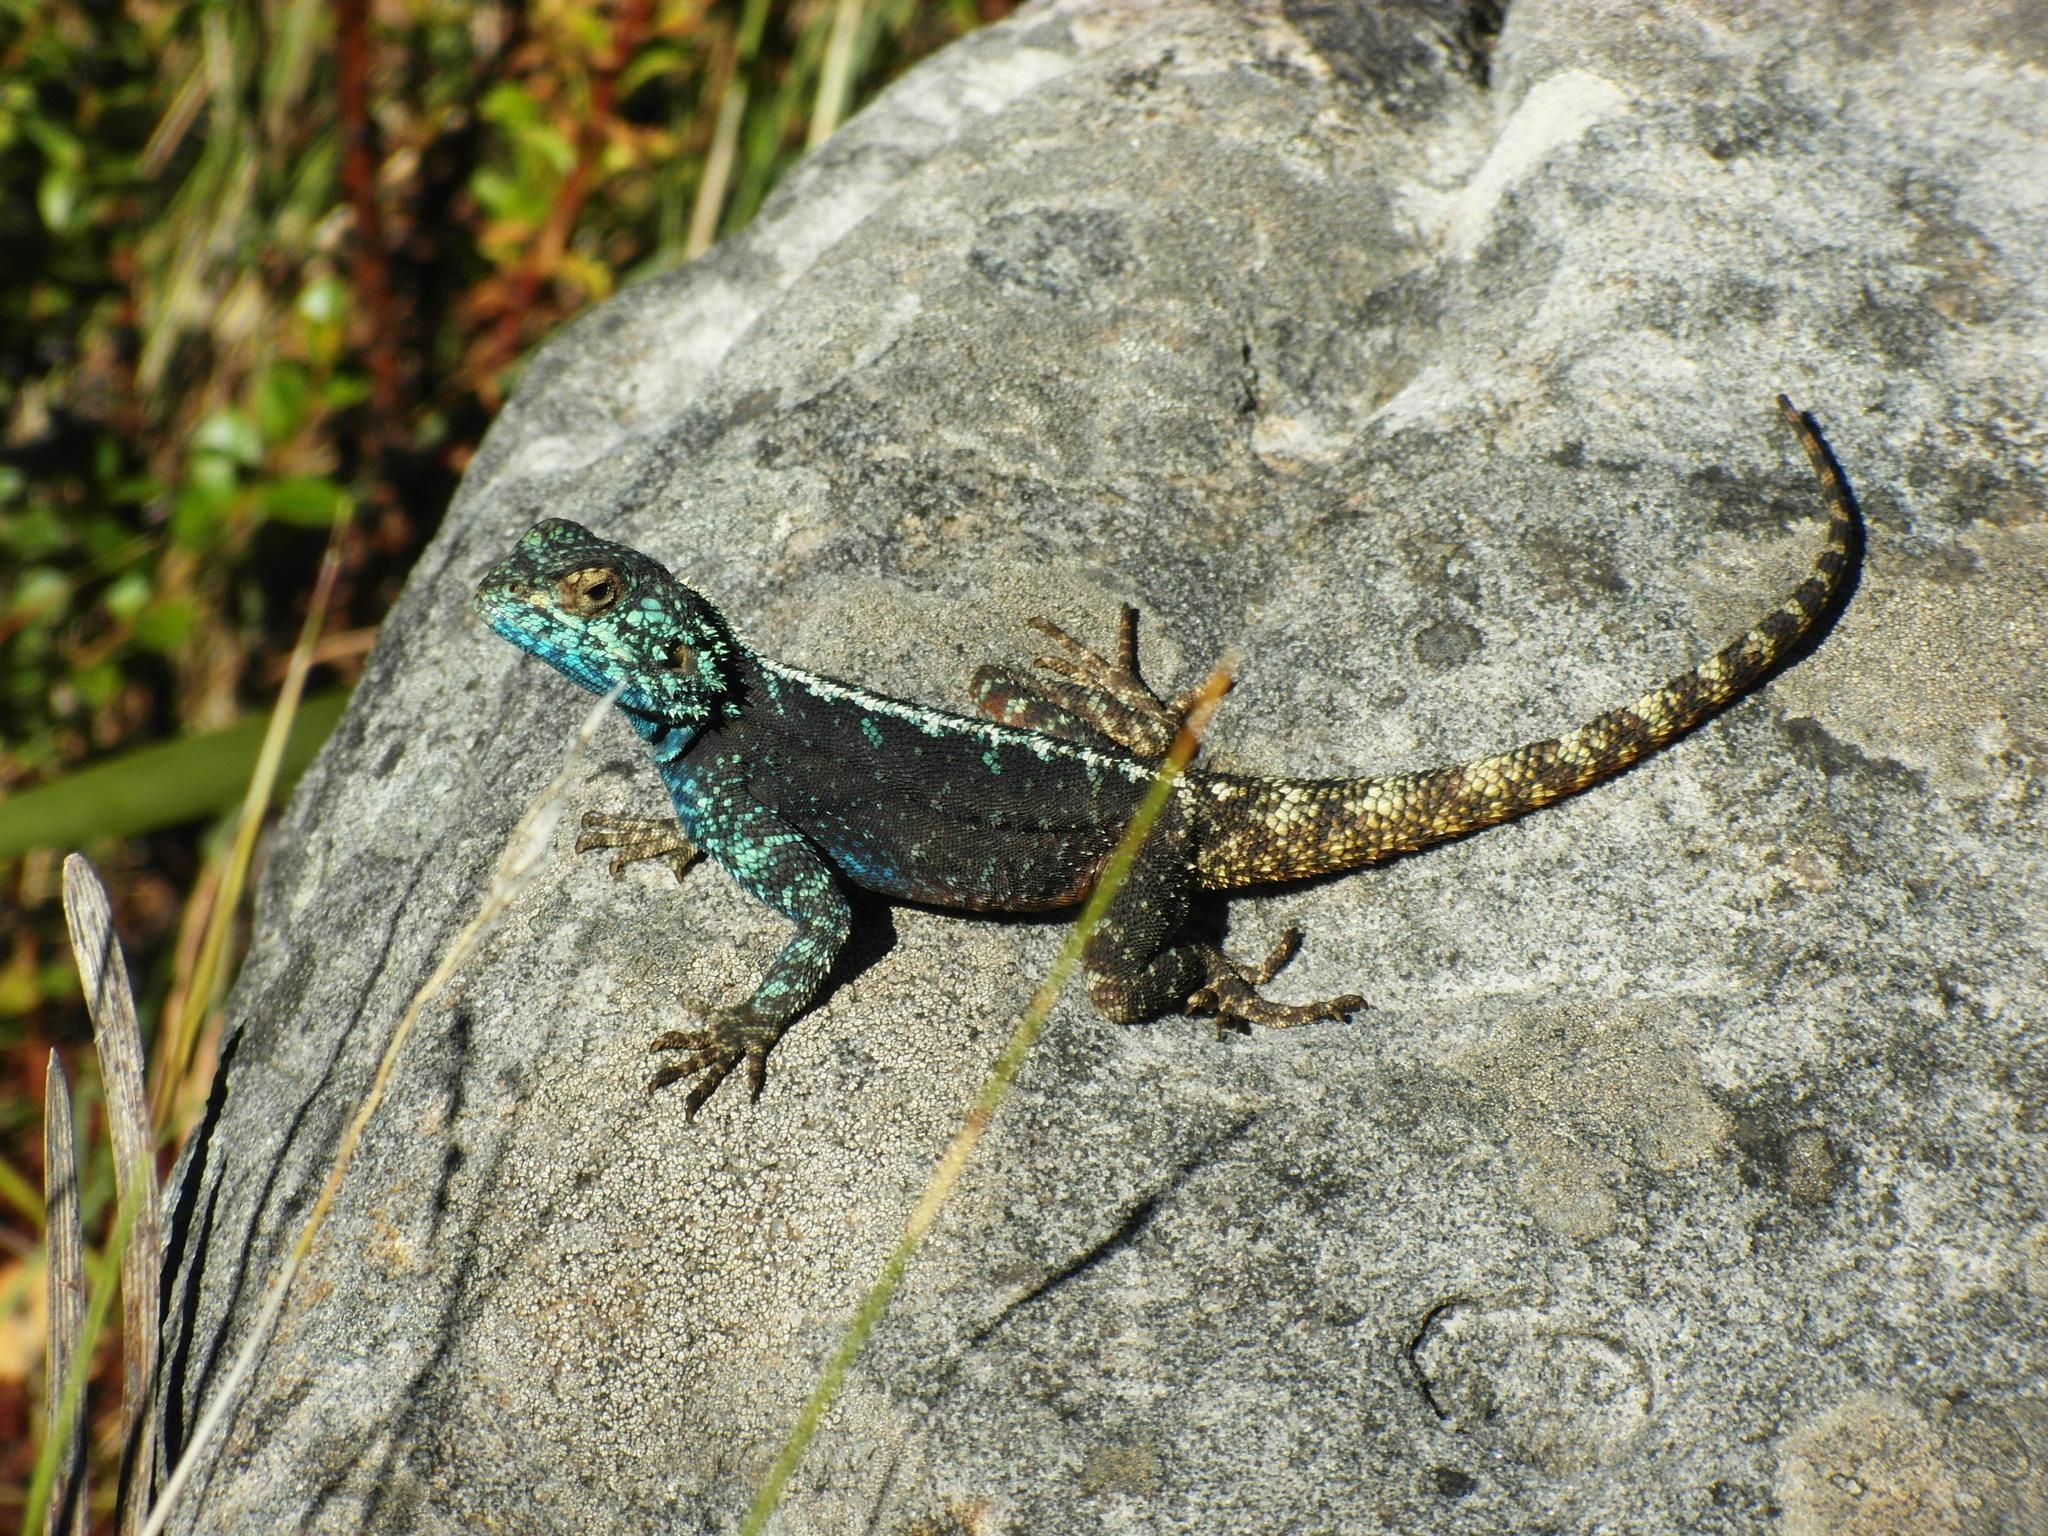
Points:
(927, 805)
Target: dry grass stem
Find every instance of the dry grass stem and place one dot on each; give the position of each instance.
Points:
(711, 183)
(529, 842)
(1202, 704)
(65, 1510)
(835, 75)
(103, 972)
(175, 1055)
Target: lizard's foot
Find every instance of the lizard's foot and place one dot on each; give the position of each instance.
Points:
(734, 1035)
(1149, 722)
(637, 838)
(1233, 997)
(1104, 701)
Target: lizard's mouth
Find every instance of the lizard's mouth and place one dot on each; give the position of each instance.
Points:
(514, 608)
(515, 612)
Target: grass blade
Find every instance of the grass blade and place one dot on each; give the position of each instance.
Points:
(530, 840)
(66, 1491)
(103, 972)
(954, 1161)
(68, 1410)
(158, 786)
(835, 75)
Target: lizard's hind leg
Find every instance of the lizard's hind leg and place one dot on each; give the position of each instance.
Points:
(1101, 700)
(1139, 964)
(1014, 698)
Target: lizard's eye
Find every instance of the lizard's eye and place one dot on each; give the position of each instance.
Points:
(588, 592)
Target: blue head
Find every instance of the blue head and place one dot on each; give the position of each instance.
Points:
(602, 614)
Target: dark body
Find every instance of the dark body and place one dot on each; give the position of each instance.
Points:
(923, 805)
(799, 784)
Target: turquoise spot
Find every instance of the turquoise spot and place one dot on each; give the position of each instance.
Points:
(872, 731)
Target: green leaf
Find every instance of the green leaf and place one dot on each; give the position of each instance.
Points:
(34, 532)
(522, 125)
(57, 198)
(324, 301)
(505, 196)
(158, 786)
(111, 543)
(60, 146)
(38, 592)
(279, 397)
(343, 391)
(508, 106)
(200, 513)
(133, 490)
(652, 63)
(229, 433)
(164, 625)
(557, 150)
(305, 501)
(127, 596)
(214, 476)
(97, 684)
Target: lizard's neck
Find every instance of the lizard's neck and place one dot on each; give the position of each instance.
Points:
(666, 740)
(670, 736)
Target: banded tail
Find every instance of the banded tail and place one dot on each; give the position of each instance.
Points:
(1255, 831)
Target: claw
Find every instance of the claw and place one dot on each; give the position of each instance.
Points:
(637, 838)
(1231, 994)
(713, 1052)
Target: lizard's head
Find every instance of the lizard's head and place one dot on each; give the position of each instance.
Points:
(602, 614)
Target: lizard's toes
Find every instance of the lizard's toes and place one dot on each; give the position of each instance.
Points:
(1232, 1000)
(710, 1055)
(1284, 949)
(710, 1065)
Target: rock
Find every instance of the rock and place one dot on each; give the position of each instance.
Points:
(1687, 1160)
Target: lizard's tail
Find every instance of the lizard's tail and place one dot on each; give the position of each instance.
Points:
(1256, 830)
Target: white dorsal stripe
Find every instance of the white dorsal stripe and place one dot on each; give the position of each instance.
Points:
(940, 722)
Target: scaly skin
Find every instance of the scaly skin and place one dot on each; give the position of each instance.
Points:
(798, 785)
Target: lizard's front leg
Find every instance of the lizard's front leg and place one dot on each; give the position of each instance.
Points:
(776, 864)
(638, 837)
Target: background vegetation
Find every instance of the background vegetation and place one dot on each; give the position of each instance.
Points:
(271, 266)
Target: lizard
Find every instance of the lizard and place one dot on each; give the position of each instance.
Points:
(799, 785)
